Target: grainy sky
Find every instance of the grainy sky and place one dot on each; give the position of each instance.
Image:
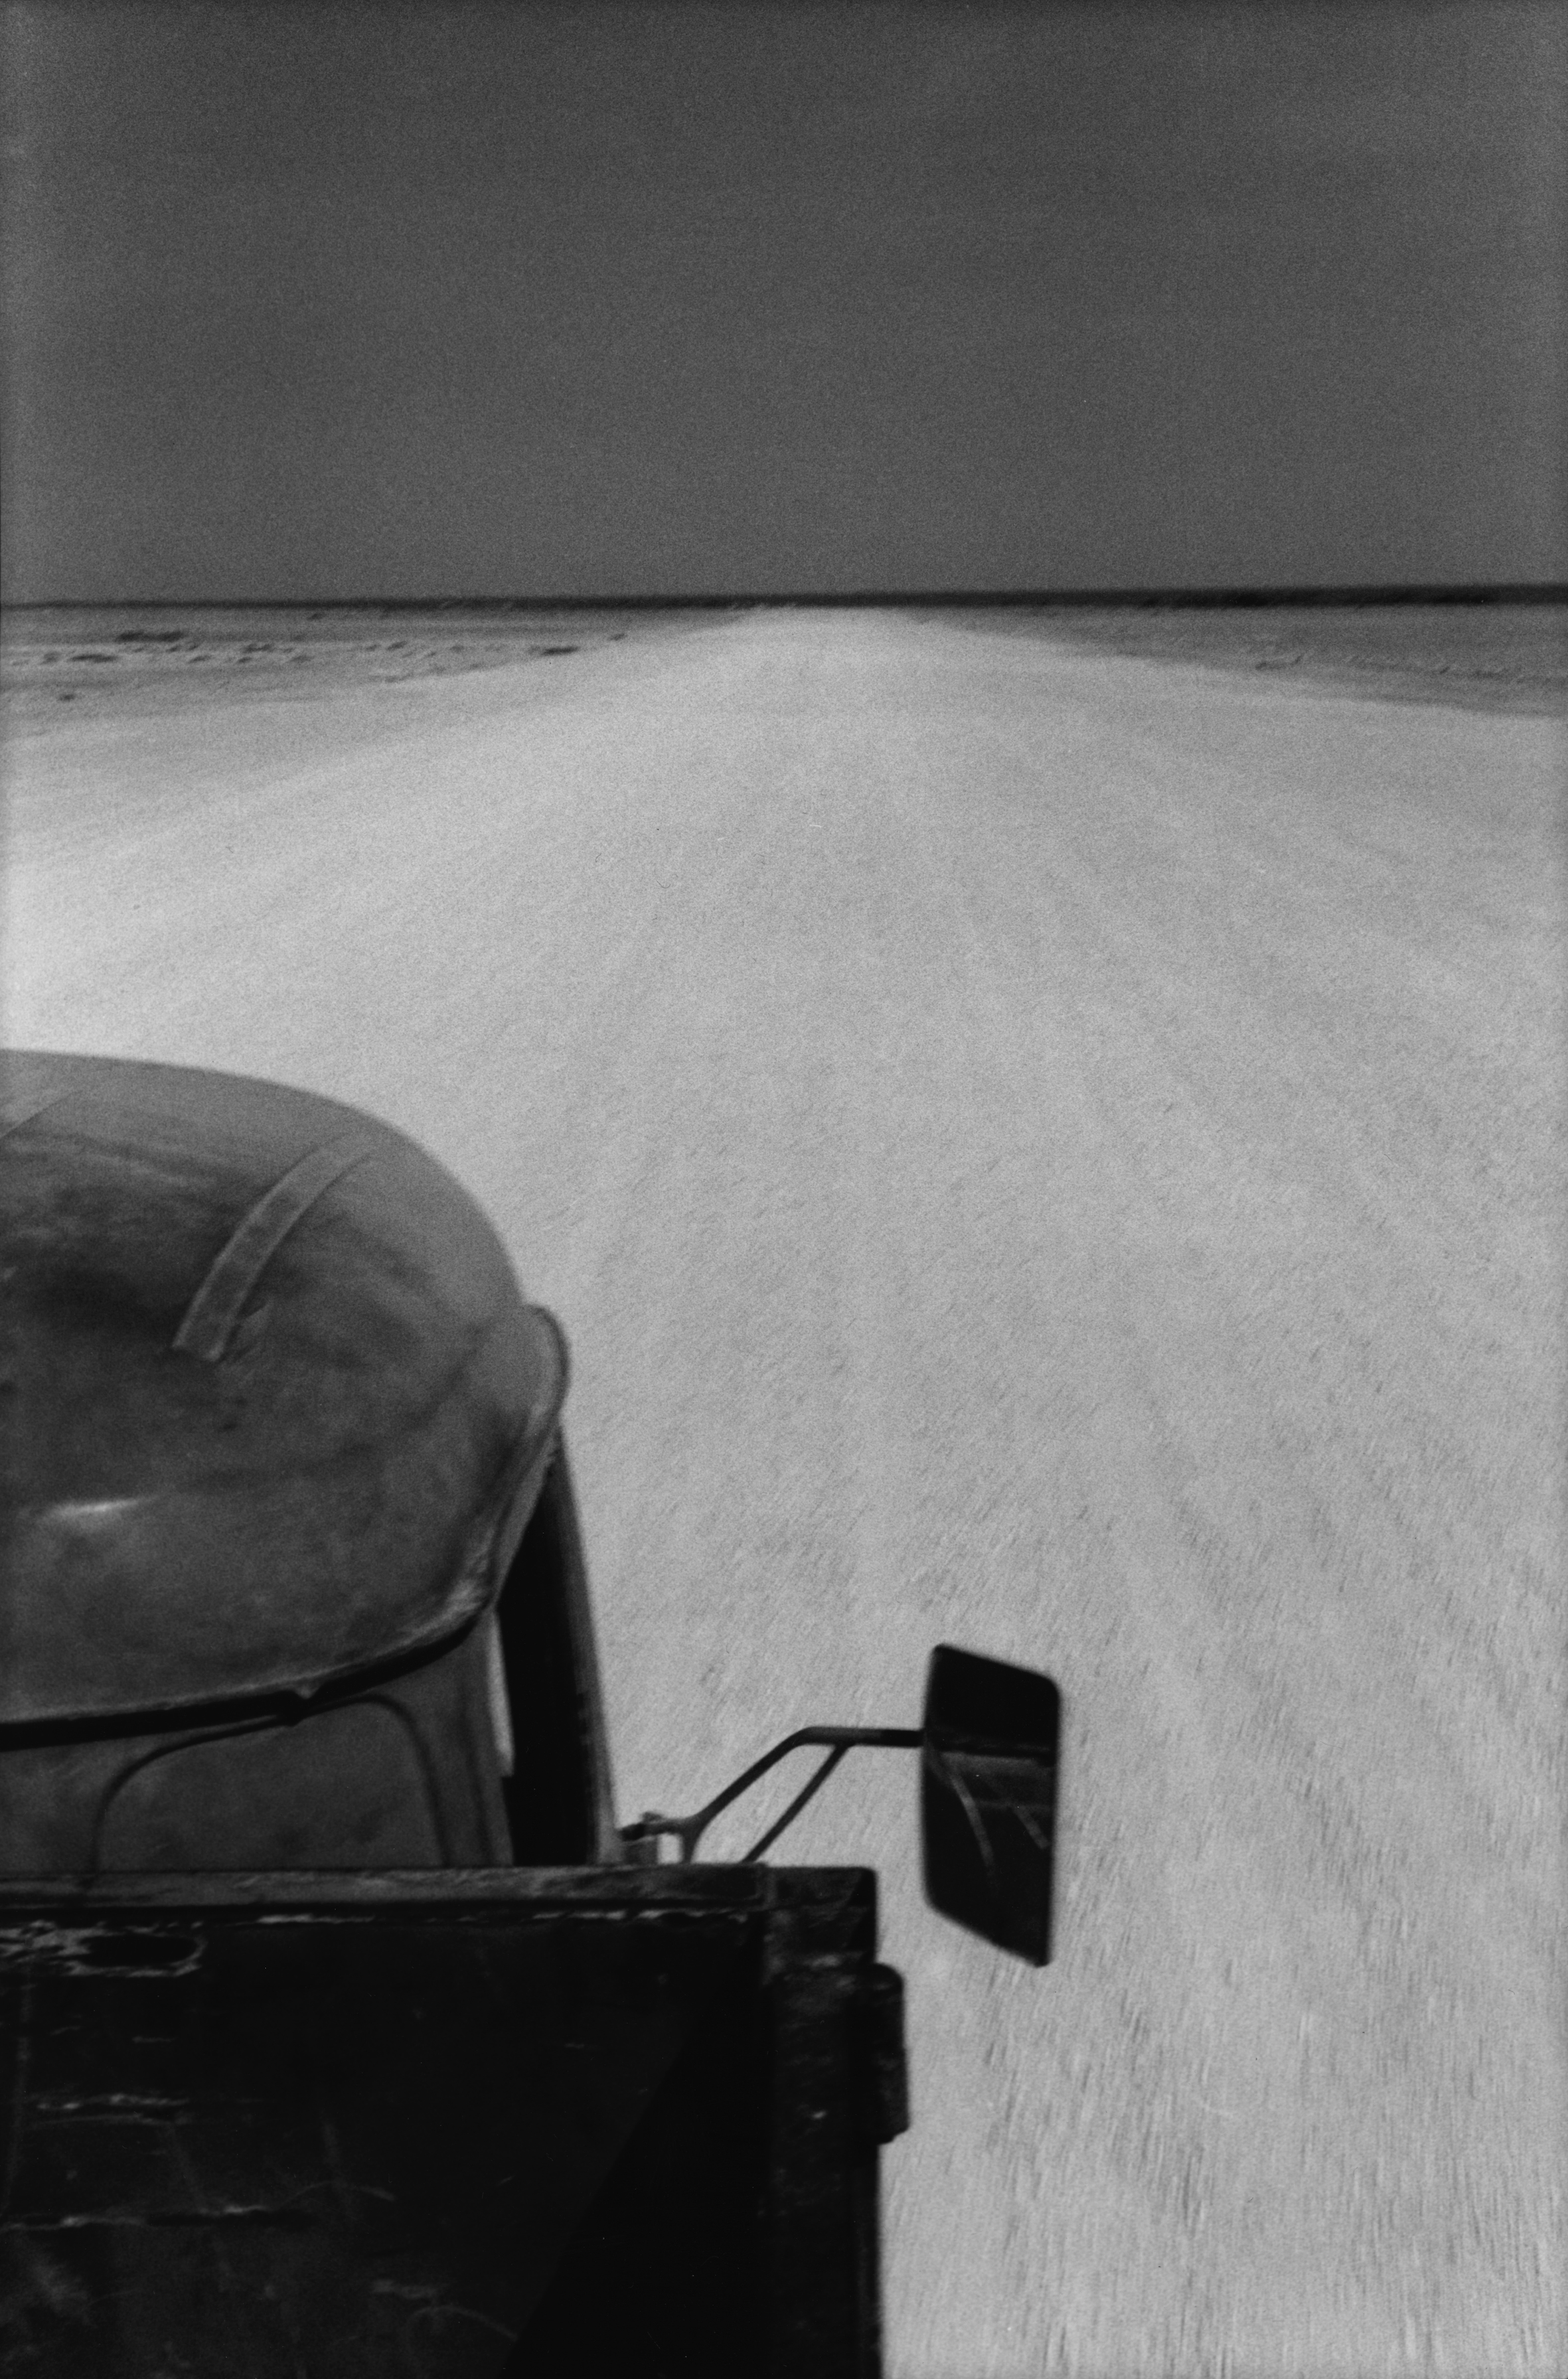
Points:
(442, 299)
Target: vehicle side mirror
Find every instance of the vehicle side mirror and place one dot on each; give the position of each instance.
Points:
(988, 1798)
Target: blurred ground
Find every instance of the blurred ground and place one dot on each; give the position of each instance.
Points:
(1053, 1151)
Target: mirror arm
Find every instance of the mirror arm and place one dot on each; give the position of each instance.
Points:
(835, 1740)
(808, 1792)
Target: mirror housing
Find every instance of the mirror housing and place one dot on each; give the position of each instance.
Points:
(988, 1798)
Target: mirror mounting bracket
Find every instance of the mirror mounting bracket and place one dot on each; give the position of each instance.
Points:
(643, 1837)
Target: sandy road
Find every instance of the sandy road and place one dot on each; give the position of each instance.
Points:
(1055, 1153)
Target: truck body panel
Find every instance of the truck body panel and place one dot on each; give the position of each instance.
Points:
(448, 2125)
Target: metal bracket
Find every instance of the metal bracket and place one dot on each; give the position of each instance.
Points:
(688, 1831)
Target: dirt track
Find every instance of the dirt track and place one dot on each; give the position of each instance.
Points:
(1057, 1152)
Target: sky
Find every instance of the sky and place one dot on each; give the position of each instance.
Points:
(438, 299)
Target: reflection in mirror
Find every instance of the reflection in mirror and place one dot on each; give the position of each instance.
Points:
(988, 1792)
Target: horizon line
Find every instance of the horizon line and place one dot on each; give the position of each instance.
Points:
(1030, 598)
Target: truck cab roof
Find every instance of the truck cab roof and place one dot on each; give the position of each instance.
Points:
(274, 1394)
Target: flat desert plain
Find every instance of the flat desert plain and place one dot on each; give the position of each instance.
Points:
(1045, 1133)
